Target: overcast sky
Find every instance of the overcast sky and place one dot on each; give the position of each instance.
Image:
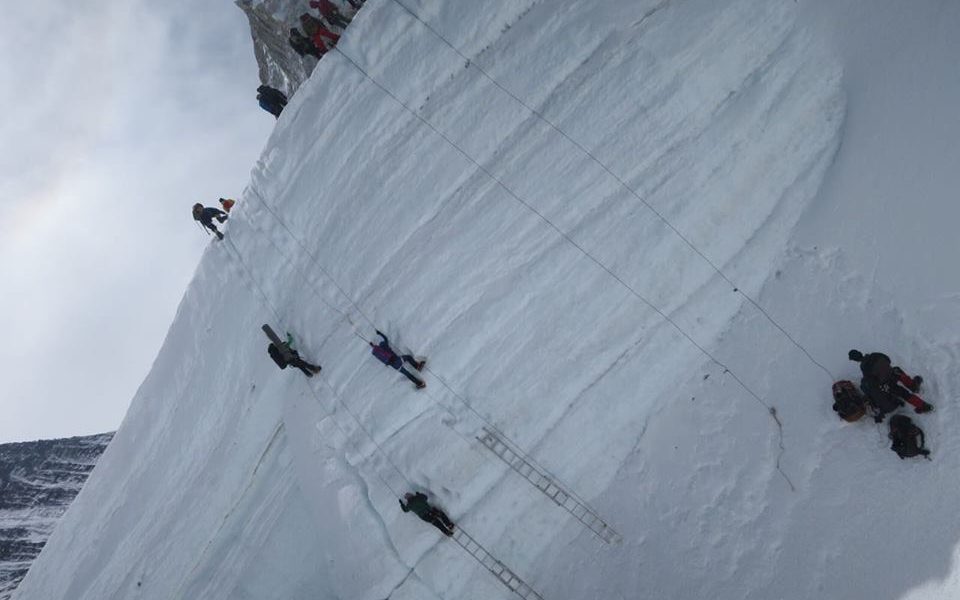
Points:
(118, 116)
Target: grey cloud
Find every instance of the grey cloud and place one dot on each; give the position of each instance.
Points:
(136, 110)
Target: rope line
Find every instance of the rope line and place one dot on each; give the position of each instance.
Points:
(689, 243)
(366, 431)
(483, 419)
(514, 446)
(313, 392)
(313, 257)
(305, 273)
(573, 242)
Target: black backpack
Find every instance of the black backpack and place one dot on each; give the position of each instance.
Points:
(277, 356)
(907, 438)
(848, 402)
(879, 396)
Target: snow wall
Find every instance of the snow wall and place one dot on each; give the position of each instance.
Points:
(553, 202)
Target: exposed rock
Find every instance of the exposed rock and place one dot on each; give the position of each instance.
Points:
(270, 22)
(38, 481)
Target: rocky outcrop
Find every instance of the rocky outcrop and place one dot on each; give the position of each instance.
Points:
(270, 23)
(38, 481)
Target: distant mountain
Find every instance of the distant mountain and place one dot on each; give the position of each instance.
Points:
(38, 481)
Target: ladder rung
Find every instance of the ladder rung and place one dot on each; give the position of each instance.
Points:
(546, 484)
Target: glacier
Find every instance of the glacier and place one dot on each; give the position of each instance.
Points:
(577, 211)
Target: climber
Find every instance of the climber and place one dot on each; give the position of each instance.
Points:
(206, 215)
(882, 383)
(904, 435)
(284, 354)
(385, 354)
(330, 12)
(271, 100)
(417, 503)
(303, 45)
(315, 30)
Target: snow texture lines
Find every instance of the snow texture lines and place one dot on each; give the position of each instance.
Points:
(620, 180)
(490, 563)
(557, 492)
(249, 273)
(586, 252)
(501, 446)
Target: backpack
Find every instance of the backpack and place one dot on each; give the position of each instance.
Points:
(277, 356)
(879, 396)
(848, 402)
(904, 434)
(385, 355)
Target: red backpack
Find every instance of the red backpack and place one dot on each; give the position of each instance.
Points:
(848, 402)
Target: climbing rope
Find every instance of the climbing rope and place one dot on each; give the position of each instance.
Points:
(666, 317)
(487, 423)
(237, 255)
(659, 215)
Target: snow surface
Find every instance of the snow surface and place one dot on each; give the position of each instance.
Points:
(806, 149)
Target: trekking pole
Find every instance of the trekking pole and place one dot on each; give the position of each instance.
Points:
(202, 228)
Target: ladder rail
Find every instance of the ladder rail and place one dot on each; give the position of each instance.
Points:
(502, 572)
(558, 493)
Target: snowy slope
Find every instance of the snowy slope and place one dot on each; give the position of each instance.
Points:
(545, 222)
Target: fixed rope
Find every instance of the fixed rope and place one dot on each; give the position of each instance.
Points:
(314, 289)
(666, 317)
(306, 275)
(366, 431)
(503, 573)
(332, 414)
(605, 533)
(313, 258)
(659, 215)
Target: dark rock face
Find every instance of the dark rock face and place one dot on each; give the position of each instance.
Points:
(270, 23)
(38, 481)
